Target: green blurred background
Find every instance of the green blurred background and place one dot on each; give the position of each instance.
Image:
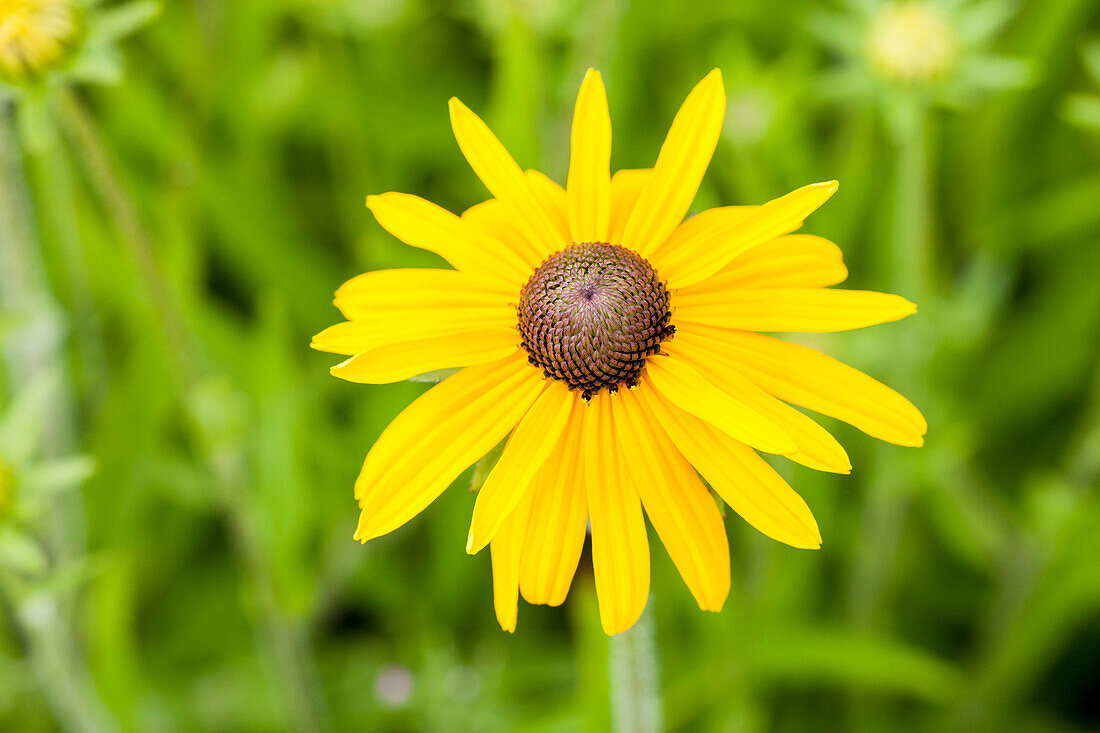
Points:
(176, 465)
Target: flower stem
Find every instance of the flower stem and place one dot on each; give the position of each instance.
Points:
(908, 274)
(108, 185)
(44, 621)
(55, 660)
(635, 679)
(286, 638)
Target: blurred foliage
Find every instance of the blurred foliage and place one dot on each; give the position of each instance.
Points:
(171, 239)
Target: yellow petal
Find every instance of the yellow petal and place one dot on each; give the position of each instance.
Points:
(792, 261)
(810, 310)
(502, 176)
(678, 505)
(554, 201)
(620, 548)
(398, 306)
(741, 477)
(559, 519)
(817, 449)
(721, 218)
(437, 437)
(395, 362)
(378, 293)
(806, 377)
(354, 337)
(680, 166)
(589, 184)
(421, 223)
(533, 440)
(506, 551)
(700, 257)
(687, 389)
(495, 219)
(626, 187)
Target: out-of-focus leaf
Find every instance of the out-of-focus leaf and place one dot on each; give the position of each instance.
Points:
(1084, 110)
(1090, 54)
(22, 423)
(978, 22)
(111, 23)
(434, 376)
(21, 553)
(850, 659)
(996, 73)
(60, 474)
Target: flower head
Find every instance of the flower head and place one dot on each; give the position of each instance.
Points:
(911, 41)
(34, 35)
(895, 53)
(612, 344)
(49, 43)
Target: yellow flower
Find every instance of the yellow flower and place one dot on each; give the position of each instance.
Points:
(612, 343)
(34, 35)
(911, 41)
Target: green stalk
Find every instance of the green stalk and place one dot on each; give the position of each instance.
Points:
(286, 638)
(44, 621)
(635, 677)
(908, 274)
(108, 185)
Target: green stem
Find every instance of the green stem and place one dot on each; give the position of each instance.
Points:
(286, 638)
(908, 274)
(108, 185)
(44, 621)
(635, 678)
(63, 678)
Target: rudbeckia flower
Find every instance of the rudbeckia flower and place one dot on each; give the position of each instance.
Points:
(615, 345)
(34, 34)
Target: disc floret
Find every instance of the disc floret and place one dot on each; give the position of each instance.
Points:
(591, 314)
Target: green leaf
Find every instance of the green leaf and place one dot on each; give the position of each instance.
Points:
(850, 659)
(1083, 110)
(978, 23)
(57, 475)
(437, 375)
(21, 553)
(107, 25)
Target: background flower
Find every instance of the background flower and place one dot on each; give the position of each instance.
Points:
(902, 53)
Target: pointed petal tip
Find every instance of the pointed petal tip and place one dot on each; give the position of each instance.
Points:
(364, 536)
(507, 617)
(916, 442)
(455, 107)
